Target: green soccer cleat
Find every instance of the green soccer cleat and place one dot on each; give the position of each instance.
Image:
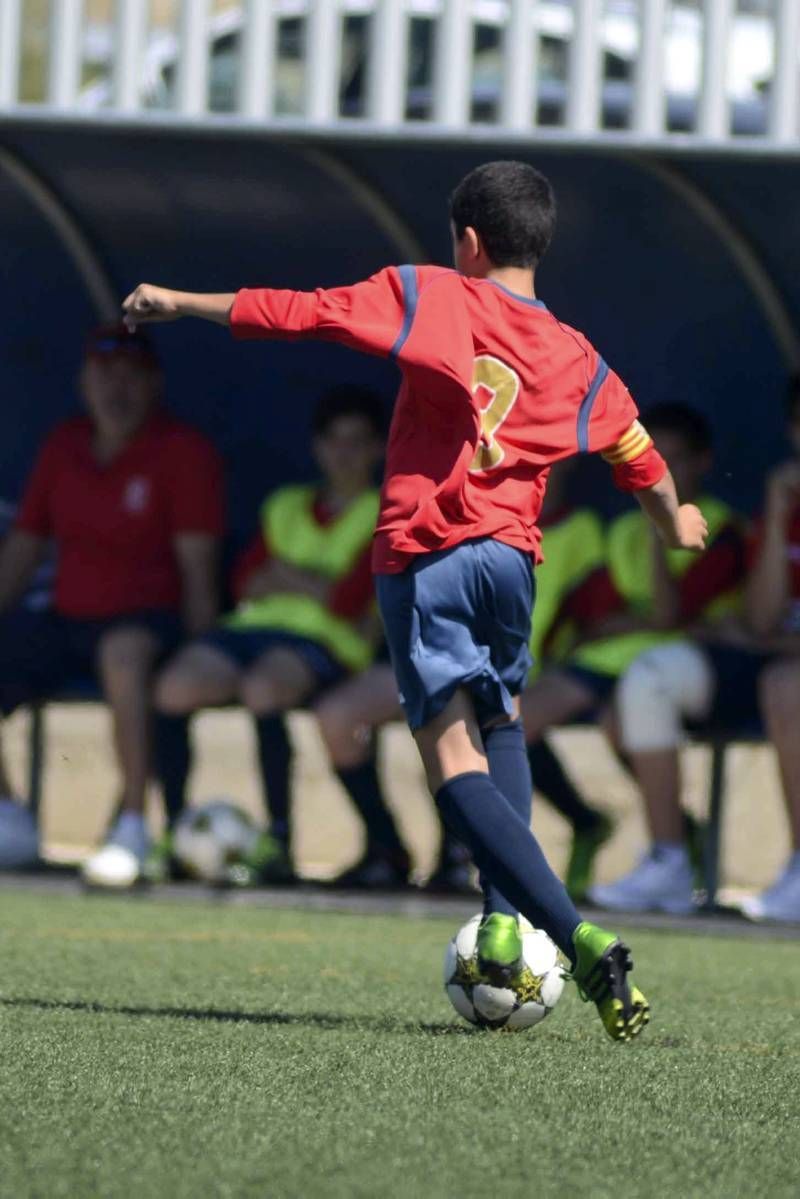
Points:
(601, 966)
(585, 845)
(499, 948)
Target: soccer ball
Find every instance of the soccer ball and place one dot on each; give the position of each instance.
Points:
(525, 1002)
(211, 841)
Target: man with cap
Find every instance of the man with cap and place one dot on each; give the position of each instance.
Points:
(132, 501)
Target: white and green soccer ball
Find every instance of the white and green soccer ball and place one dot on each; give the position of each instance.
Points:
(212, 841)
(524, 1002)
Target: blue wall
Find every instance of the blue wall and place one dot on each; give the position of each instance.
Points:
(632, 265)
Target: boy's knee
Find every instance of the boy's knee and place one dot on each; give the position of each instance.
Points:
(174, 694)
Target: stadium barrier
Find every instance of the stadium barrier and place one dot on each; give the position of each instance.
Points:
(718, 743)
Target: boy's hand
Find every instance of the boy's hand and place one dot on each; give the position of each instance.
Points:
(691, 529)
(783, 489)
(150, 303)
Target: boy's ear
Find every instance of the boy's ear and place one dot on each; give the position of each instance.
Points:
(473, 242)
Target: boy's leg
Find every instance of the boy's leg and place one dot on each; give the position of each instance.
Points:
(657, 692)
(280, 679)
(508, 853)
(125, 656)
(349, 716)
(504, 745)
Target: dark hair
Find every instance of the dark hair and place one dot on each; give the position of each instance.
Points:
(793, 397)
(688, 423)
(349, 399)
(511, 207)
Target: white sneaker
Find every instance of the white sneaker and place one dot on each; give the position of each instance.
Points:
(662, 882)
(781, 901)
(120, 862)
(19, 838)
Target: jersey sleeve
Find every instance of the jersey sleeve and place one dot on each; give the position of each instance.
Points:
(35, 513)
(370, 316)
(196, 503)
(617, 434)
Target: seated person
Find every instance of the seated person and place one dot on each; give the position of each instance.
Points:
(736, 677)
(132, 502)
(644, 592)
(303, 618)
(572, 541)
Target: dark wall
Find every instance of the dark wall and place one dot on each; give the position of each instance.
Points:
(633, 265)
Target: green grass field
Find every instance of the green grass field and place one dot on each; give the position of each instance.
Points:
(150, 1048)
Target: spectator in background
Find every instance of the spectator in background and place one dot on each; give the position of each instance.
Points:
(736, 675)
(644, 593)
(304, 620)
(132, 502)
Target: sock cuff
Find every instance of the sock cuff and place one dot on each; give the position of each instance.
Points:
(458, 780)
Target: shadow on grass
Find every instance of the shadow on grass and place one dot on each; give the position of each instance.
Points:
(324, 1020)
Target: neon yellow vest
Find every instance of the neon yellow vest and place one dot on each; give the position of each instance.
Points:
(293, 535)
(629, 563)
(572, 548)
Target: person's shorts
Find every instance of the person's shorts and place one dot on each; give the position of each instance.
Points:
(246, 646)
(736, 674)
(600, 685)
(459, 618)
(41, 653)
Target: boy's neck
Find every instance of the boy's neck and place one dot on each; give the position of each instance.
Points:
(518, 279)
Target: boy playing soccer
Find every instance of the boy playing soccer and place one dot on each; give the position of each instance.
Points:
(494, 391)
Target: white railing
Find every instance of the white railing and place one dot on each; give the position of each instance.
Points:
(711, 70)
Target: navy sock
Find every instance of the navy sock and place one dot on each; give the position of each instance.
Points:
(275, 760)
(172, 760)
(364, 788)
(507, 852)
(556, 785)
(511, 775)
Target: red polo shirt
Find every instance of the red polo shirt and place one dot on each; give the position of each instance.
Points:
(115, 525)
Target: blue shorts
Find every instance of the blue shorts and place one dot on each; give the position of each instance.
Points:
(245, 646)
(459, 618)
(42, 653)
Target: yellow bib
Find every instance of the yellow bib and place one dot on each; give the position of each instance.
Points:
(294, 535)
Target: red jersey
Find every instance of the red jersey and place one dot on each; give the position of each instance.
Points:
(494, 391)
(114, 526)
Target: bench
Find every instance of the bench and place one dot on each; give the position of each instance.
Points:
(717, 741)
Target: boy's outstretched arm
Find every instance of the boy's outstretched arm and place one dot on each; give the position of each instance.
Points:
(148, 303)
(680, 526)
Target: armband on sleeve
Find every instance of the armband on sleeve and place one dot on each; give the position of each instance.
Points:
(636, 462)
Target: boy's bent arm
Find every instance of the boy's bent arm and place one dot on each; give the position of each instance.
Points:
(680, 526)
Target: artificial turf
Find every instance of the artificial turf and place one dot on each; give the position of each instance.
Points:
(150, 1048)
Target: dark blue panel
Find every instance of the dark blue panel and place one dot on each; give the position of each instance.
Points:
(631, 265)
(44, 313)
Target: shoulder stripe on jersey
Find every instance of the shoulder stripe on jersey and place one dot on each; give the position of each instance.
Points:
(408, 277)
(587, 403)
